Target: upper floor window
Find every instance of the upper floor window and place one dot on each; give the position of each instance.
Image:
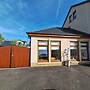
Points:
(74, 14)
(70, 18)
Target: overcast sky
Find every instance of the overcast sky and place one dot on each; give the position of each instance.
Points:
(20, 16)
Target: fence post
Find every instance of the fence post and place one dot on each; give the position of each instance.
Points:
(29, 56)
(10, 56)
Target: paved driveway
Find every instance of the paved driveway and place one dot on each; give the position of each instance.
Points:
(43, 78)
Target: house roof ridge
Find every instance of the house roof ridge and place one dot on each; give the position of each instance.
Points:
(45, 29)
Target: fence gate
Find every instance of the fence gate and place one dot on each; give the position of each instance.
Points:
(5, 57)
(14, 56)
(20, 57)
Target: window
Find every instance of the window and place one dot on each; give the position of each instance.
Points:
(74, 14)
(70, 18)
(74, 50)
(84, 51)
(42, 51)
(55, 51)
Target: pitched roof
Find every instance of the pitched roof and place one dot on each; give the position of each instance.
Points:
(74, 6)
(6, 43)
(59, 31)
(22, 41)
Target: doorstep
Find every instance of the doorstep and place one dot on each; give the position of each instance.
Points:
(46, 64)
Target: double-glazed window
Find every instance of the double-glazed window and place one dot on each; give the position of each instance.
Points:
(84, 51)
(42, 51)
(74, 50)
(72, 16)
(55, 51)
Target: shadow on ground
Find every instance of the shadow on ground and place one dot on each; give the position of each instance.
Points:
(87, 65)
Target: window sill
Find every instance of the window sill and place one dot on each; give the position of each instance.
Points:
(55, 60)
(42, 63)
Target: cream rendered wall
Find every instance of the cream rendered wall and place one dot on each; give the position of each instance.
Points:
(82, 22)
(65, 44)
(34, 50)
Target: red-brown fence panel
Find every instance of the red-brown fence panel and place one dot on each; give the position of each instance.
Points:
(5, 57)
(20, 57)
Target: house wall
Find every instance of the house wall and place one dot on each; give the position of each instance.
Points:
(82, 21)
(65, 44)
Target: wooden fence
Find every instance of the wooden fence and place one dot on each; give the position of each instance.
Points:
(14, 56)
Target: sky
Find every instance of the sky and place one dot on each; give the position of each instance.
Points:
(20, 16)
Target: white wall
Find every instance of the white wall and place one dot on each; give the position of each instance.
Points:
(82, 22)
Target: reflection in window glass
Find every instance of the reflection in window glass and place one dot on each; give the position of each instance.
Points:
(55, 53)
(73, 52)
(73, 43)
(43, 42)
(70, 18)
(54, 43)
(84, 53)
(43, 54)
(74, 14)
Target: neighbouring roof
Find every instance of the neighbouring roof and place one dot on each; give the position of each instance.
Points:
(74, 6)
(22, 41)
(6, 43)
(59, 31)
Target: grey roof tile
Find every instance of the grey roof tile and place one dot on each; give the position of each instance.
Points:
(6, 43)
(61, 31)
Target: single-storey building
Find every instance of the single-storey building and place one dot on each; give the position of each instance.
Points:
(53, 46)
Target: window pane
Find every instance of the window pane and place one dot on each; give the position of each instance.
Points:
(74, 14)
(55, 53)
(73, 47)
(54, 43)
(73, 43)
(83, 44)
(73, 52)
(43, 42)
(43, 54)
(70, 18)
(84, 53)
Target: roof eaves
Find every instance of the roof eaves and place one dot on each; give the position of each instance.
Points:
(48, 34)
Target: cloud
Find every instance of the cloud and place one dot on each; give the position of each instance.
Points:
(8, 6)
(6, 30)
(21, 4)
(5, 8)
(58, 8)
(21, 28)
(10, 31)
